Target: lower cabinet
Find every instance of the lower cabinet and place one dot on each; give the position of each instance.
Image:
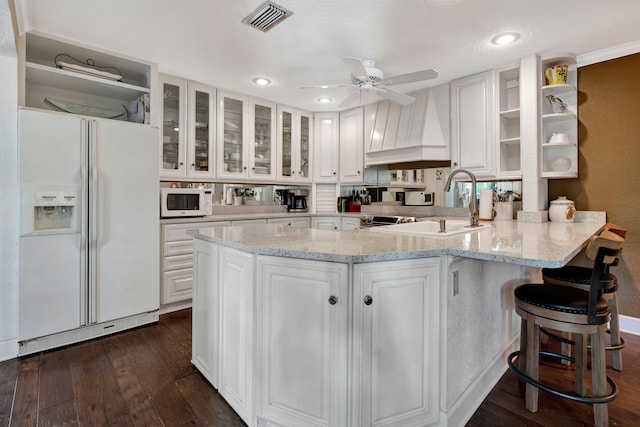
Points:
(395, 343)
(296, 343)
(326, 222)
(301, 355)
(303, 222)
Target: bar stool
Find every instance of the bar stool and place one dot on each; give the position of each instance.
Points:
(568, 309)
(580, 277)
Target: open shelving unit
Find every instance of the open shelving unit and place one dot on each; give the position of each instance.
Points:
(555, 157)
(509, 158)
(88, 94)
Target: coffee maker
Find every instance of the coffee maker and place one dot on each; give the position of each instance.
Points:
(297, 200)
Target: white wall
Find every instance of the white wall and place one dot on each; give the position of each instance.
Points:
(8, 187)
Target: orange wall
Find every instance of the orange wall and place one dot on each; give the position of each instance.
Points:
(609, 161)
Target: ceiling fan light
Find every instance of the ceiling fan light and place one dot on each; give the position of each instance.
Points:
(505, 39)
(262, 81)
(325, 100)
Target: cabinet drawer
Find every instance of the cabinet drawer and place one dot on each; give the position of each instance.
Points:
(177, 262)
(184, 247)
(175, 232)
(176, 286)
(293, 222)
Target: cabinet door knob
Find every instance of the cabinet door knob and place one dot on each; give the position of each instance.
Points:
(333, 300)
(181, 163)
(244, 168)
(367, 300)
(193, 165)
(335, 173)
(358, 172)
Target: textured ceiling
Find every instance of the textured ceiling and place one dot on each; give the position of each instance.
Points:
(205, 40)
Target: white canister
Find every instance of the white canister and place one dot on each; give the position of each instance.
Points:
(562, 210)
(504, 211)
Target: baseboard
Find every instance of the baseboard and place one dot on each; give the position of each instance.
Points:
(85, 333)
(467, 404)
(176, 306)
(629, 325)
(8, 350)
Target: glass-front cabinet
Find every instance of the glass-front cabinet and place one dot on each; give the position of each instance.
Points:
(232, 117)
(188, 120)
(262, 137)
(294, 145)
(201, 116)
(173, 131)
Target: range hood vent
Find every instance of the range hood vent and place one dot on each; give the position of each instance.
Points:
(267, 16)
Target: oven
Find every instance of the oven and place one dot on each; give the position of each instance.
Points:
(373, 220)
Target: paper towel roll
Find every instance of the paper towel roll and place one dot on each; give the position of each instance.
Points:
(486, 204)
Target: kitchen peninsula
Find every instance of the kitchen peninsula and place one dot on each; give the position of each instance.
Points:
(307, 327)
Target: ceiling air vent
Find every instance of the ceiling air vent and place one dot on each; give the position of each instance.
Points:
(267, 16)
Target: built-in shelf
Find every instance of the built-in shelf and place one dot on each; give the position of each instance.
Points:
(557, 89)
(510, 141)
(558, 144)
(511, 114)
(557, 117)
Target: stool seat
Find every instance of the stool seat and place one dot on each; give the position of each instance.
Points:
(561, 299)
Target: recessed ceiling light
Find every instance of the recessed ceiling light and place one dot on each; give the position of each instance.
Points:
(504, 39)
(262, 81)
(324, 100)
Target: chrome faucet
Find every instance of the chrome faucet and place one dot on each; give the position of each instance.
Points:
(473, 204)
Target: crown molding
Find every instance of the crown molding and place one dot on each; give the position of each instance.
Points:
(608, 53)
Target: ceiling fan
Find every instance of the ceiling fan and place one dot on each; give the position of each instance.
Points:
(365, 76)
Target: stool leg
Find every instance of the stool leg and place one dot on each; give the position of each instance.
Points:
(581, 365)
(532, 368)
(522, 359)
(566, 348)
(598, 378)
(614, 328)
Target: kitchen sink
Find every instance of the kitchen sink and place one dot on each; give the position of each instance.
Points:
(430, 228)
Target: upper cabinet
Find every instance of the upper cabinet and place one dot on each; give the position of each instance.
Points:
(295, 132)
(559, 98)
(326, 143)
(352, 146)
(472, 124)
(418, 131)
(188, 123)
(246, 138)
(508, 148)
(63, 76)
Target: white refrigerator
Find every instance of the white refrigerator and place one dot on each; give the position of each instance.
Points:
(89, 232)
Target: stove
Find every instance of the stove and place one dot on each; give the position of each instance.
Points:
(372, 220)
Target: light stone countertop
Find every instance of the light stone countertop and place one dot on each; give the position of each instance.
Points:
(253, 215)
(545, 244)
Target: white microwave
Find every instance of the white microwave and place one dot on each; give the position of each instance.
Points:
(184, 202)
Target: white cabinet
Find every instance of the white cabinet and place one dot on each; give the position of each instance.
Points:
(326, 222)
(246, 148)
(335, 223)
(350, 223)
(204, 313)
(559, 158)
(301, 350)
(188, 120)
(248, 222)
(326, 151)
(396, 334)
(235, 343)
(304, 222)
(295, 132)
(352, 146)
(55, 76)
(508, 149)
(262, 140)
(472, 124)
(177, 262)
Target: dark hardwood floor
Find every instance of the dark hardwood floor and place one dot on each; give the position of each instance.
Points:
(144, 377)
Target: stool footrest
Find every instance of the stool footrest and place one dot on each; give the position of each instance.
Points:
(613, 347)
(570, 396)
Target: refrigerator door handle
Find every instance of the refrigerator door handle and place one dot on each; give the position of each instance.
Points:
(93, 223)
(84, 232)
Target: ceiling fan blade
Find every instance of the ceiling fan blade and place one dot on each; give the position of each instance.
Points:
(410, 77)
(353, 97)
(356, 67)
(321, 86)
(394, 96)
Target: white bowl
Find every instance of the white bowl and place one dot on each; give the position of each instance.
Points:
(560, 164)
(559, 138)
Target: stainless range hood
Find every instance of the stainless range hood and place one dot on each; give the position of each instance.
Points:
(414, 133)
